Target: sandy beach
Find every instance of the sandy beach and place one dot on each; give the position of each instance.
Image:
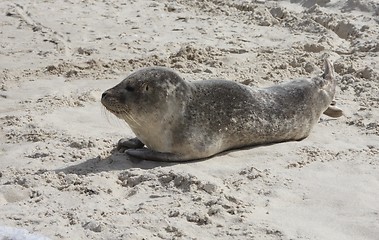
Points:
(62, 178)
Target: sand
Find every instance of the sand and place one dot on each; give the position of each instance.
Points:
(61, 178)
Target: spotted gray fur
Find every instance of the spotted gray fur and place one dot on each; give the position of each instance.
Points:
(179, 120)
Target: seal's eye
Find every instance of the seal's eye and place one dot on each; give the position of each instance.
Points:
(129, 88)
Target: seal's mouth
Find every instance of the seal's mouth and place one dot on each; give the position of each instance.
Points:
(119, 109)
(114, 109)
(120, 113)
(124, 114)
(112, 105)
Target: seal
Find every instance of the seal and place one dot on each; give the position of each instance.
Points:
(179, 120)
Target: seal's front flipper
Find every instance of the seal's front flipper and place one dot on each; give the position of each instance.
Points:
(147, 154)
(129, 143)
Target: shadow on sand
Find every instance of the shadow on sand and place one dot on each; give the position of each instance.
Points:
(122, 161)
(116, 161)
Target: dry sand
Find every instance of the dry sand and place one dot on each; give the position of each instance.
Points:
(60, 177)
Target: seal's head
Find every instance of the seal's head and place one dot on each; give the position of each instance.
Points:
(147, 100)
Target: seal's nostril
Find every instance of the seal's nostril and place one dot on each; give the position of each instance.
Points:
(103, 95)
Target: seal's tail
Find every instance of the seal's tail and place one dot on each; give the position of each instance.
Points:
(329, 85)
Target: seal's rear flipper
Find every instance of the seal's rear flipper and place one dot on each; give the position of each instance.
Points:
(147, 154)
(328, 70)
(328, 82)
(333, 111)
